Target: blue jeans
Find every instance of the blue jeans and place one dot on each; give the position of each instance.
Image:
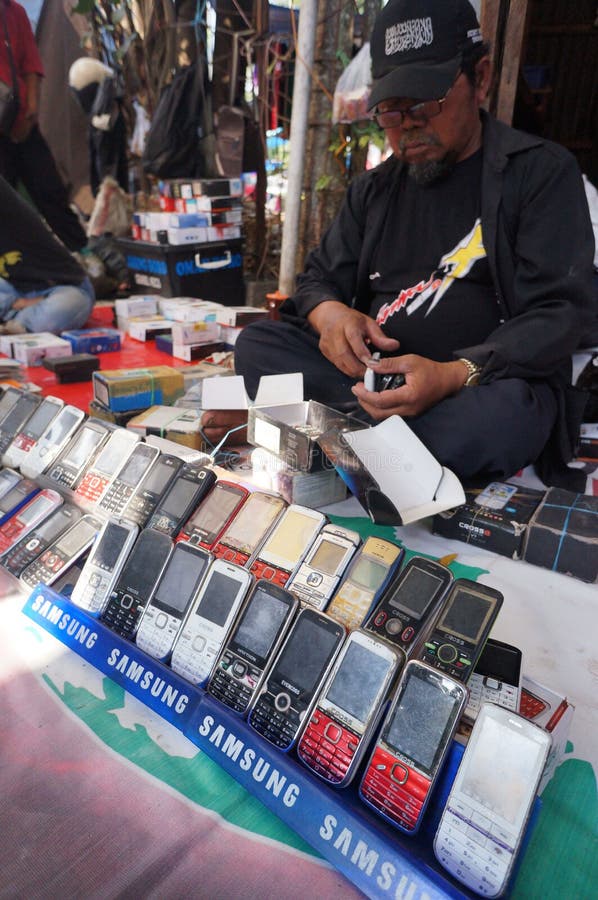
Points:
(64, 306)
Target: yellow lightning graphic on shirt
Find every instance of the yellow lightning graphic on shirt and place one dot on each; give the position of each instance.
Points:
(459, 261)
(9, 259)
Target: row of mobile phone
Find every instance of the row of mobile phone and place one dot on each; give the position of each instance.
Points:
(302, 683)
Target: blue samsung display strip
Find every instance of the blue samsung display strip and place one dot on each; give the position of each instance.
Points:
(161, 689)
(375, 857)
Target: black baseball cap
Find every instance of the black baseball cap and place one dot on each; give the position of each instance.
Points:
(417, 47)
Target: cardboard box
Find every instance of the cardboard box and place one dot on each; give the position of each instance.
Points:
(563, 535)
(93, 340)
(146, 328)
(212, 271)
(131, 389)
(99, 411)
(195, 332)
(311, 489)
(552, 712)
(291, 432)
(391, 472)
(239, 316)
(31, 349)
(495, 517)
(127, 308)
(183, 426)
(588, 443)
(189, 352)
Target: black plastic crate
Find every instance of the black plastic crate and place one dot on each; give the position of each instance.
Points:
(211, 271)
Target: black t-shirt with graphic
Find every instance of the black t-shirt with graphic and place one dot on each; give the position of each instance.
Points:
(430, 275)
(31, 258)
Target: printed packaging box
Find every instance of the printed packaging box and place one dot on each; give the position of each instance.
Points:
(495, 517)
(93, 340)
(30, 349)
(183, 426)
(124, 389)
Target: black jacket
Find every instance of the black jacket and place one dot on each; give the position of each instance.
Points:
(539, 244)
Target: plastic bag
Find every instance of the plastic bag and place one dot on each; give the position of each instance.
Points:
(111, 212)
(351, 95)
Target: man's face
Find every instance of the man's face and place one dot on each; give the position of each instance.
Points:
(431, 148)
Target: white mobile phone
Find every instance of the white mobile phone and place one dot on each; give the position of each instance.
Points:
(496, 678)
(103, 565)
(319, 574)
(25, 439)
(174, 593)
(488, 808)
(79, 453)
(128, 478)
(209, 620)
(52, 441)
(98, 476)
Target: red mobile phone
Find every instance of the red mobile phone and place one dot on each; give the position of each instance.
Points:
(214, 514)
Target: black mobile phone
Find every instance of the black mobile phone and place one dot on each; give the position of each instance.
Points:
(152, 487)
(255, 638)
(136, 582)
(407, 608)
(294, 678)
(33, 545)
(462, 628)
(184, 493)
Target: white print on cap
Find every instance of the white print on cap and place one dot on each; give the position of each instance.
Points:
(475, 35)
(409, 35)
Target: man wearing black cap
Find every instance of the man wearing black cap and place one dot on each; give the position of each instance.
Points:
(465, 260)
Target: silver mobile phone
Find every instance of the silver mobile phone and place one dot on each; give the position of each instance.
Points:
(78, 453)
(103, 565)
(98, 476)
(31, 431)
(54, 562)
(208, 621)
(39, 539)
(174, 593)
(319, 574)
(127, 479)
(482, 826)
(56, 436)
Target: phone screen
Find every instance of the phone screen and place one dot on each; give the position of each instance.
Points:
(422, 718)
(75, 538)
(144, 563)
(217, 598)
(416, 592)
(137, 465)
(109, 547)
(306, 654)
(40, 419)
(289, 539)
(50, 528)
(466, 615)
(38, 507)
(61, 426)
(19, 412)
(327, 557)
(253, 519)
(501, 782)
(357, 680)
(180, 581)
(83, 447)
(260, 624)
(7, 401)
(111, 456)
(368, 574)
(158, 477)
(214, 511)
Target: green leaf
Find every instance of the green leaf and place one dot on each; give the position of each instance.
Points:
(84, 7)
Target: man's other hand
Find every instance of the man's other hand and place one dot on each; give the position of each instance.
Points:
(426, 384)
(347, 337)
(216, 425)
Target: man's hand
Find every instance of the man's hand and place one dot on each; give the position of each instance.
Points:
(347, 336)
(426, 384)
(216, 424)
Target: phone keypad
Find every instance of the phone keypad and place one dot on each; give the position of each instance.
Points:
(116, 498)
(395, 789)
(158, 634)
(483, 689)
(18, 560)
(327, 747)
(91, 487)
(123, 616)
(65, 477)
(93, 596)
(473, 849)
(44, 569)
(276, 727)
(234, 682)
(530, 706)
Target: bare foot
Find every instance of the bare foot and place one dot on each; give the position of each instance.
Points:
(24, 302)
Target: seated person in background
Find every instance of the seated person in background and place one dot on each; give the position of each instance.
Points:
(465, 259)
(42, 286)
